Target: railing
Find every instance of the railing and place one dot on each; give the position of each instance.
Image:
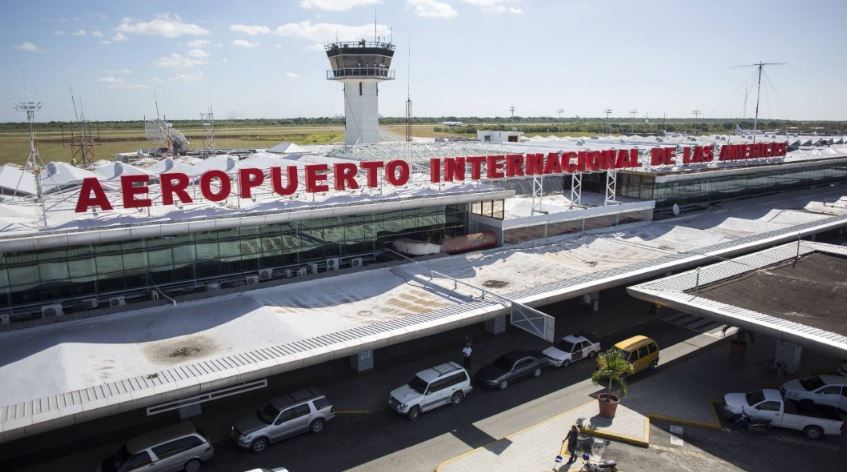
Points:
(364, 71)
(206, 397)
(359, 44)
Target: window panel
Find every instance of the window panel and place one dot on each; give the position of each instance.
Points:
(109, 264)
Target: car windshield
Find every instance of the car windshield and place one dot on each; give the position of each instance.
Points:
(566, 346)
(813, 382)
(116, 460)
(504, 363)
(267, 413)
(417, 384)
(755, 397)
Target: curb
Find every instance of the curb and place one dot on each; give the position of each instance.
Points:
(714, 425)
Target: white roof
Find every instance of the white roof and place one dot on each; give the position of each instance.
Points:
(170, 165)
(114, 170)
(224, 162)
(286, 148)
(59, 175)
(15, 180)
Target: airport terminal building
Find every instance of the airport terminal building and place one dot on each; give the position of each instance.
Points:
(122, 233)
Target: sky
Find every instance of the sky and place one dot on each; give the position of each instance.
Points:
(264, 58)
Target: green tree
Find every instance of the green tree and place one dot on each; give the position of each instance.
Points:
(613, 367)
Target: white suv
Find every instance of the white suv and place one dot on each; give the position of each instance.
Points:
(430, 389)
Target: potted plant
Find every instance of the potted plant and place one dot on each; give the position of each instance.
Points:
(585, 440)
(612, 367)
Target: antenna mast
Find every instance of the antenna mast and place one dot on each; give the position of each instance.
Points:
(408, 93)
(760, 66)
(33, 162)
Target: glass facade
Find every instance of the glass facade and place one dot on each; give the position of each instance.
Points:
(546, 230)
(714, 187)
(39, 277)
(489, 208)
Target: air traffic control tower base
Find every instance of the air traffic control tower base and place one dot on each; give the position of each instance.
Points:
(361, 66)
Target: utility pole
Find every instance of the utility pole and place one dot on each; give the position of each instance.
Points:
(33, 162)
(696, 114)
(607, 111)
(632, 123)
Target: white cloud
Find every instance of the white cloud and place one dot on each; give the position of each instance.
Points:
(189, 77)
(198, 43)
(327, 32)
(243, 43)
(250, 30)
(176, 60)
(28, 47)
(496, 7)
(168, 26)
(79, 32)
(119, 37)
(198, 53)
(432, 9)
(59, 32)
(119, 83)
(119, 72)
(97, 34)
(105, 42)
(110, 79)
(292, 75)
(336, 5)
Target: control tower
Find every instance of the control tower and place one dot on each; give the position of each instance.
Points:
(361, 66)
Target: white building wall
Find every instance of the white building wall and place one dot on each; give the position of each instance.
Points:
(361, 111)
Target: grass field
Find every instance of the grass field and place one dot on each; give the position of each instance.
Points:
(14, 146)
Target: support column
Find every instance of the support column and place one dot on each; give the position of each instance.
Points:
(496, 325)
(362, 361)
(788, 356)
(591, 300)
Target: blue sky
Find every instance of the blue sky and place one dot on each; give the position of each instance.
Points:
(469, 57)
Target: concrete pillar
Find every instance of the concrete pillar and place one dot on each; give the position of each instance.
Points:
(362, 361)
(496, 325)
(190, 411)
(788, 356)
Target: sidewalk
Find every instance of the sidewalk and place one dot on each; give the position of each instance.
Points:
(535, 448)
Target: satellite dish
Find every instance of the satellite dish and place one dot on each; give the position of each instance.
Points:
(675, 209)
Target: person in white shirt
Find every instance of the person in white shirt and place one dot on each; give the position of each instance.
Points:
(466, 355)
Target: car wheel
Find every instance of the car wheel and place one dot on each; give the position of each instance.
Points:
(413, 414)
(592, 354)
(813, 432)
(317, 426)
(192, 466)
(457, 398)
(259, 445)
(536, 372)
(654, 364)
(567, 363)
(504, 384)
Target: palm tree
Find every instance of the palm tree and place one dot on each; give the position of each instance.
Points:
(612, 366)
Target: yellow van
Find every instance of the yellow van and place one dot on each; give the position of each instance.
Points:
(641, 351)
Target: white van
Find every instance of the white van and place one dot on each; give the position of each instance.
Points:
(180, 447)
(430, 389)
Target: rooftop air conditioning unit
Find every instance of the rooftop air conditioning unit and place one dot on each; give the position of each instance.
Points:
(333, 264)
(356, 262)
(313, 267)
(266, 274)
(89, 303)
(252, 280)
(52, 311)
(302, 271)
(117, 301)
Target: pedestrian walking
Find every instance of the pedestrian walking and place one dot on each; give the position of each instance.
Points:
(571, 438)
(467, 351)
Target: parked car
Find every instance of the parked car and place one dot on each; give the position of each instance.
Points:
(769, 404)
(511, 367)
(431, 388)
(641, 351)
(830, 390)
(275, 469)
(179, 447)
(283, 417)
(570, 349)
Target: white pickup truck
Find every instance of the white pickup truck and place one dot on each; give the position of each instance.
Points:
(570, 349)
(768, 404)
